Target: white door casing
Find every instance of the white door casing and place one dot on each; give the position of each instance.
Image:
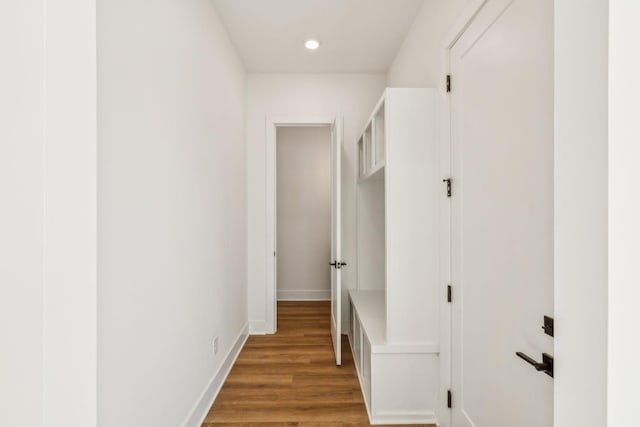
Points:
(501, 104)
(271, 125)
(336, 238)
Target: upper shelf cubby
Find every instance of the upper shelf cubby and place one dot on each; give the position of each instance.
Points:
(372, 143)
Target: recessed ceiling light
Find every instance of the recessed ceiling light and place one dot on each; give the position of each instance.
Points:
(312, 44)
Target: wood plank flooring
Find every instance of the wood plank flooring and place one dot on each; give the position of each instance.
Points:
(290, 379)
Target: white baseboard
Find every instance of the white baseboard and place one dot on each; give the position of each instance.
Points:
(405, 418)
(200, 409)
(315, 295)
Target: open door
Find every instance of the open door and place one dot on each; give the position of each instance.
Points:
(336, 263)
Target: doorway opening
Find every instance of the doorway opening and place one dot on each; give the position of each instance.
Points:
(334, 127)
(303, 213)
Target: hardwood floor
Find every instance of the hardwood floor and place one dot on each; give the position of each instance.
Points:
(290, 379)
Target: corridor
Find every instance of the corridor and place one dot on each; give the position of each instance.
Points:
(290, 378)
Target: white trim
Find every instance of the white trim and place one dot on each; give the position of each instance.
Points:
(257, 327)
(311, 295)
(200, 409)
(461, 24)
(442, 413)
(405, 418)
(271, 123)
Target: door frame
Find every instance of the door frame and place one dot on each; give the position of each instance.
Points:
(272, 124)
(444, 219)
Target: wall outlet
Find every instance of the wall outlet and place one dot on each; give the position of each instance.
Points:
(215, 346)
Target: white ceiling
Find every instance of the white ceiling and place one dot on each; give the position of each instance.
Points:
(357, 36)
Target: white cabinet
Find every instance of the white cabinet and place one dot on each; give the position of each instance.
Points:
(379, 136)
(394, 330)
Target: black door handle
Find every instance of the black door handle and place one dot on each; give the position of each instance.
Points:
(545, 366)
(337, 264)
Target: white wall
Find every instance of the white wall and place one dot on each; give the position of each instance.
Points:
(301, 95)
(419, 62)
(624, 211)
(70, 214)
(303, 212)
(21, 212)
(47, 224)
(581, 213)
(172, 207)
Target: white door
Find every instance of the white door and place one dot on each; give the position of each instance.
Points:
(336, 263)
(502, 215)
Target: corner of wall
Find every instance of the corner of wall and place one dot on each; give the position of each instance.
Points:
(201, 407)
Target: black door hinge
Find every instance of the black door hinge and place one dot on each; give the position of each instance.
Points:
(548, 325)
(448, 83)
(449, 399)
(448, 293)
(448, 181)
